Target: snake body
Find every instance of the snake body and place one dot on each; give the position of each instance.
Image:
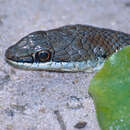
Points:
(67, 48)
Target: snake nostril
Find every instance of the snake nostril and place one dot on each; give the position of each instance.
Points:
(7, 54)
(10, 52)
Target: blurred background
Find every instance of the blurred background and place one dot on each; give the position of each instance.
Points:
(42, 100)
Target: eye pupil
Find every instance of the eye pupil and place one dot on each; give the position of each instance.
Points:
(43, 55)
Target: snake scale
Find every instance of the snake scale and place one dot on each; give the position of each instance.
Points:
(68, 48)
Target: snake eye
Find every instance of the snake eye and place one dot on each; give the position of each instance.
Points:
(43, 56)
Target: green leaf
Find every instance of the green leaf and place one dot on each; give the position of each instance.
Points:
(110, 90)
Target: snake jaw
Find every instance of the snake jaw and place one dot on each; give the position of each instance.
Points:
(84, 66)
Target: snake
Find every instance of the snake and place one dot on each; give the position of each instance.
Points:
(70, 48)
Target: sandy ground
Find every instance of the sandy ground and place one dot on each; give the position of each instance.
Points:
(32, 100)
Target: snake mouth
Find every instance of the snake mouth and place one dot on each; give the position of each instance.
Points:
(84, 66)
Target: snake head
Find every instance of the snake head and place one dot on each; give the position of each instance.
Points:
(62, 49)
